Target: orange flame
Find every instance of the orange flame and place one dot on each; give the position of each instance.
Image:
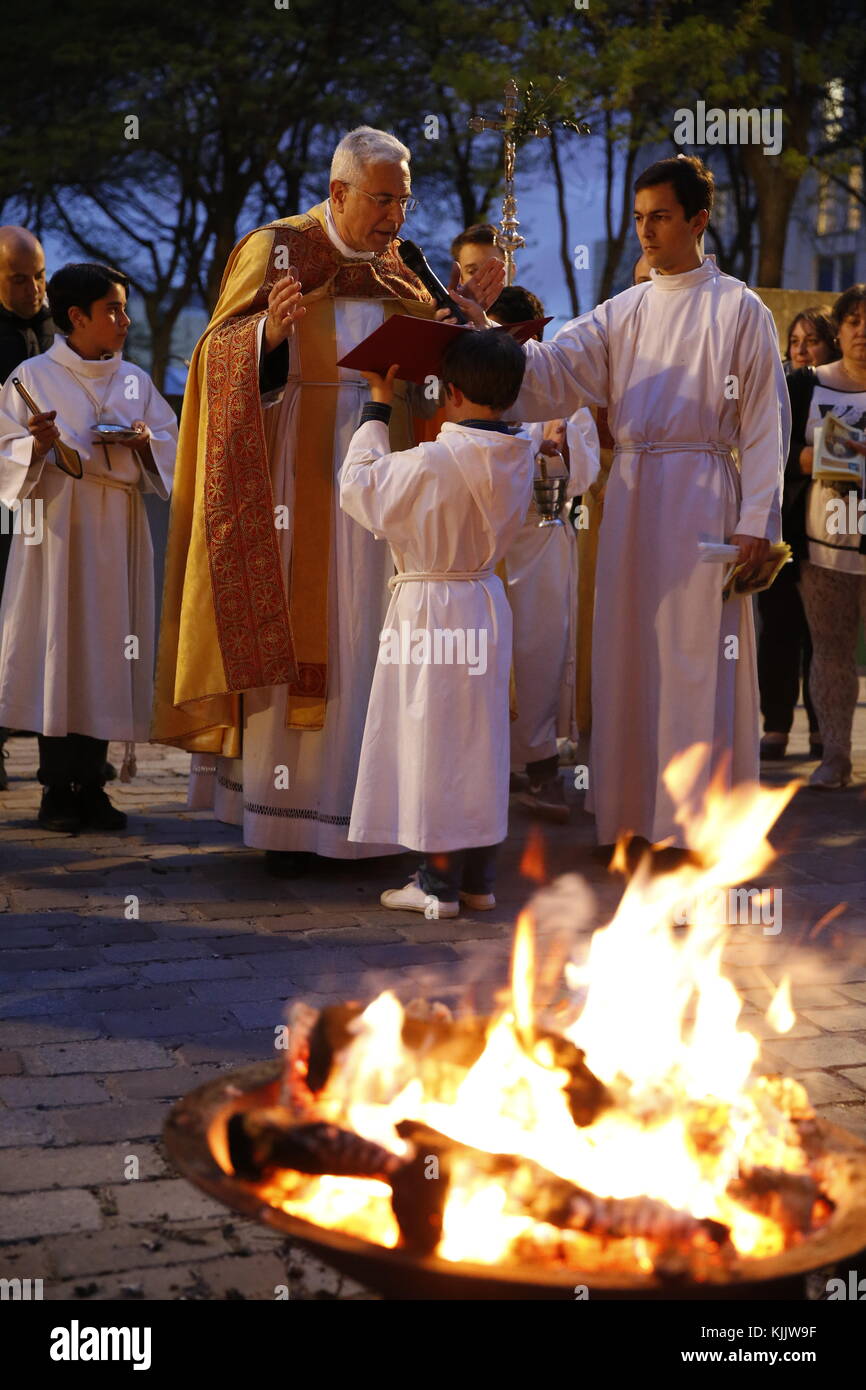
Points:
(658, 1024)
(532, 863)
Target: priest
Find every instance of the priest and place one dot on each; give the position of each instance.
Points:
(688, 366)
(274, 597)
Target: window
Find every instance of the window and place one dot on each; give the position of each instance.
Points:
(854, 220)
(825, 274)
(826, 219)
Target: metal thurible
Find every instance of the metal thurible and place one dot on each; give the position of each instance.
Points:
(549, 487)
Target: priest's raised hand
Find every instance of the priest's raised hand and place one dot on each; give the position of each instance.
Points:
(478, 293)
(284, 307)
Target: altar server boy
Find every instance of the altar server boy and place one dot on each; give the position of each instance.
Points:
(434, 763)
(76, 625)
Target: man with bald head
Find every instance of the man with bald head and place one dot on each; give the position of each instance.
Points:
(26, 330)
(25, 323)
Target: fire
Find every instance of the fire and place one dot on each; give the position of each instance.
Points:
(683, 1114)
(532, 863)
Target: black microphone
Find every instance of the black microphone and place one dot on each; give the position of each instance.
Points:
(412, 256)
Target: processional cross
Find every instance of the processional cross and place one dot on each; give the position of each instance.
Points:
(518, 124)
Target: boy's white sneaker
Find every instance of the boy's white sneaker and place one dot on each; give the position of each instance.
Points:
(479, 902)
(412, 898)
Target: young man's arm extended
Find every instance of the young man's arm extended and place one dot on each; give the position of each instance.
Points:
(570, 371)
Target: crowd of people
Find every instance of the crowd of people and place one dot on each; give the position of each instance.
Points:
(332, 531)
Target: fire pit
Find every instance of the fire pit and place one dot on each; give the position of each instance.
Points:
(613, 1137)
(198, 1125)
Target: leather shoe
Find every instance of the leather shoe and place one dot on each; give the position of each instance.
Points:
(773, 747)
(60, 810)
(97, 812)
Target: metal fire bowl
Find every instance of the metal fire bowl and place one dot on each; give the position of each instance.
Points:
(200, 1118)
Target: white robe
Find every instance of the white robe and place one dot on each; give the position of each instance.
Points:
(541, 565)
(689, 368)
(311, 813)
(72, 603)
(434, 763)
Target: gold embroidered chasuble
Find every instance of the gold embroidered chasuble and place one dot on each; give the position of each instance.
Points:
(232, 620)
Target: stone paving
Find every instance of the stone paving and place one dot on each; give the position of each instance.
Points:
(108, 1018)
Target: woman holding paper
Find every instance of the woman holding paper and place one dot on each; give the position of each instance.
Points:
(832, 398)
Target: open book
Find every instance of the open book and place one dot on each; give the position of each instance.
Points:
(835, 460)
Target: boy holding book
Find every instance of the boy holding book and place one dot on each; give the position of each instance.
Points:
(434, 763)
(77, 620)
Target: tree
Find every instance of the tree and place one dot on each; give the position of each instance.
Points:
(202, 116)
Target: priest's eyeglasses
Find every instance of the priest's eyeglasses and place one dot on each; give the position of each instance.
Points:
(384, 200)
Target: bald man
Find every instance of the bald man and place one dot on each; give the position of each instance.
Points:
(26, 330)
(25, 323)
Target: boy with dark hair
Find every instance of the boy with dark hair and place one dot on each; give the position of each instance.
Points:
(434, 763)
(76, 624)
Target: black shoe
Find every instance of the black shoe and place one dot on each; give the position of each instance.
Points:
(773, 747)
(281, 863)
(60, 810)
(97, 812)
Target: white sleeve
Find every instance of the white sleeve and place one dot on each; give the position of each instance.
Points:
(568, 372)
(583, 451)
(373, 481)
(157, 465)
(765, 421)
(19, 474)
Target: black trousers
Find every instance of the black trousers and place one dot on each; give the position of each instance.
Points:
(784, 654)
(73, 758)
(472, 870)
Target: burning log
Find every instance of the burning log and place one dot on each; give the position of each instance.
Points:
(536, 1192)
(263, 1141)
(443, 1045)
(793, 1200)
(436, 1037)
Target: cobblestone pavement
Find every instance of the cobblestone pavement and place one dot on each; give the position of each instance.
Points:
(106, 1020)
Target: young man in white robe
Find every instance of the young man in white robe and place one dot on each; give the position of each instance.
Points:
(434, 765)
(689, 368)
(77, 619)
(541, 568)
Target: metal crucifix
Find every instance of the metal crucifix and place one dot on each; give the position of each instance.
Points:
(518, 124)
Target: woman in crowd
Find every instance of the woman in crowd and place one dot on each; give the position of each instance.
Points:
(829, 521)
(811, 340)
(784, 645)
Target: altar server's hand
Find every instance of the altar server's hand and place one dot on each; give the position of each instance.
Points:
(44, 431)
(753, 552)
(382, 387)
(284, 307)
(142, 441)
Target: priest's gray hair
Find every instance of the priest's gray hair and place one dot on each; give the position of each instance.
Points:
(365, 145)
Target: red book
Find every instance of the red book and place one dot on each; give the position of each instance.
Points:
(418, 345)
